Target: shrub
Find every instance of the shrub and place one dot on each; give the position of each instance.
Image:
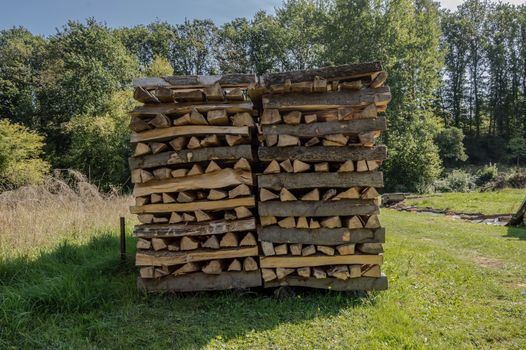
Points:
(456, 181)
(487, 174)
(450, 144)
(20, 151)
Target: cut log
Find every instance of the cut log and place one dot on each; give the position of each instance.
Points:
(147, 272)
(369, 193)
(242, 164)
(268, 220)
(372, 222)
(244, 212)
(212, 166)
(368, 139)
(197, 118)
(351, 85)
(179, 173)
(292, 118)
(370, 248)
(283, 272)
(380, 79)
(209, 141)
(182, 257)
(347, 167)
(345, 249)
(266, 195)
(271, 140)
(373, 165)
(288, 222)
(159, 244)
(270, 116)
(318, 273)
(201, 216)
(178, 143)
(335, 140)
(240, 190)
(311, 118)
(185, 197)
(141, 176)
(369, 112)
(268, 275)
(355, 271)
(164, 94)
(299, 166)
(250, 264)
(144, 96)
(285, 195)
(143, 243)
(188, 217)
(189, 243)
(303, 272)
(287, 166)
(188, 96)
(318, 260)
(272, 168)
(358, 284)
(321, 167)
(313, 195)
(168, 198)
(302, 222)
(281, 249)
(235, 265)
(354, 222)
(226, 204)
(187, 268)
(214, 195)
(229, 240)
(158, 147)
(330, 193)
(304, 86)
(156, 198)
(190, 130)
(175, 218)
(184, 120)
(295, 249)
(308, 250)
(341, 272)
(211, 243)
(235, 95)
(267, 248)
(217, 117)
(248, 241)
(361, 166)
(331, 222)
(242, 119)
(193, 143)
(139, 125)
(233, 140)
(351, 193)
(160, 121)
(213, 267)
(314, 223)
(142, 200)
(322, 154)
(197, 229)
(214, 92)
(288, 140)
(313, 141)
(371, 271)
(162, 173)
(141, 149)
(325, 249)
(159, 220)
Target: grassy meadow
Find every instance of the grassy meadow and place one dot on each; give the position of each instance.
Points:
(505, 201)
(453, 284)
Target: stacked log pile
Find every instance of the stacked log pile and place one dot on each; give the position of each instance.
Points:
(193, 183)
(318, 203)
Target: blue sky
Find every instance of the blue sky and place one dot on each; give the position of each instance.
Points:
(44, 16)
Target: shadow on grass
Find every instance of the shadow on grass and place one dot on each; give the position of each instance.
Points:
(516, 232)
(82, 296)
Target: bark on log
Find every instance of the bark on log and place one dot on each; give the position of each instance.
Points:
(323, 236)
(360, 283)
(199, 229)
(316, 180)
(326, 128)
(321, 154)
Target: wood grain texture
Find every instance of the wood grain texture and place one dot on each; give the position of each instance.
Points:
(320, 180)
(318, 208)
(150, 110)
(325, 128)
(194, 229)
(197, 205)
(360, 283)
(319, 260)
(323, 236)
(196, 81)
(322, 154)
(176, 258)
(163, 134)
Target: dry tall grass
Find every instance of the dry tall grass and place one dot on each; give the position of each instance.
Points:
(66, 206)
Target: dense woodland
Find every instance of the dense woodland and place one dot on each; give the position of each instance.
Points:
(458, 81)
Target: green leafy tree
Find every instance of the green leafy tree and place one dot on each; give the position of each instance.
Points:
(159, 67)
(517, 148)
(450, 143)
(20, 152)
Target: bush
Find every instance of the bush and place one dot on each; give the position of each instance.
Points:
(450, 143)
(487, 174)
(456, 181)
(20, 151)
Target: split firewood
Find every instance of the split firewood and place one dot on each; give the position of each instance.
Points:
(371, 271)
(329, 194)
(308, 250)
(215, 195)
(346, 113)
(328, 116)
(295, 249)
(318, 273)
(196, 118)
(233, 140)
(142, 201)
(242, 119)
(288, 222)
(370, 248)
(158, 147)
(331, 222)
(248, 241)
(268, 275)
(217, 117)
(187, 268)
(230, 215)
(158, 273)
(147, 272)
(188, 217)
(288, 140)
(379, 81)
(347, 167)
(229, 239)
(299, 167)
(361, 166)
(212, 166)
(179, 173)
(302, 222)
(267, 220)
(175, 218)
(345, 249)
(184, 120)
(174, 247)
(164, 94)
(138, 125)
(355, 271)
(282, 272)
(240, 190)
(287, 166)
(169, 198)
(188, 96)
(242, 212)
(285, 195)
(194, 143)
(351, 193)
(325, 249)
(211, 243)
(319, 85)
(313, 195)
(242, 164)
(250, 264)
(373, 165)
(235, 265)
(270, 116)
(321, 167)
(335, 140)
(310, 118)
(156, 198)
(313, 141)
(178, 143)
(267, 248)
(210, 140)
(369, 193)
(214, 93)
(303, 272)
(368, 139)
(195, 170)
(141, 149)
(143, 244)
(266, 195)
(141, 176)
(158, 244)
(189, 243)
(367, 113)
(272, 168)
(185, 197)
(271, 140)
(162, 173)
(160, 121)
(201, 216)
(281, 249)
(213, 267)
(372, 222)
(159, 220)
(304, 86)
(339, 271)
(351, 85)
(354, 222)
(293, 118)
(314, 223)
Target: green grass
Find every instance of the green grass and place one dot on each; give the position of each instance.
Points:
(452, 285)
(505, 201)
